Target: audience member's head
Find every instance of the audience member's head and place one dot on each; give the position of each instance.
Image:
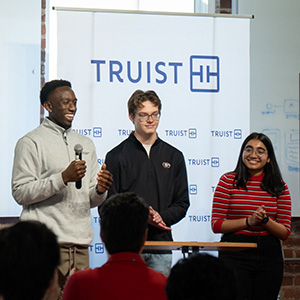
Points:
(201, 276)
(29, 256)
(123, 220)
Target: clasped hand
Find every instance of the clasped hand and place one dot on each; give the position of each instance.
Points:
(156, 220)
(257, 216)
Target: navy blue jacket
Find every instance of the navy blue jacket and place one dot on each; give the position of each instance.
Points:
(161, 179)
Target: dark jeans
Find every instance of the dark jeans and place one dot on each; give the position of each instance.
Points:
(259, 272)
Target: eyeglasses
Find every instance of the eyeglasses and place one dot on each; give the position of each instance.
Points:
(145, 117)
(259, 151)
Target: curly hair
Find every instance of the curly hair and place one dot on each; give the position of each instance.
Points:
(138, 97)
(51, 86)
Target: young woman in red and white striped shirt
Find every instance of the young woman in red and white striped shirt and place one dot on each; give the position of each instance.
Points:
(252, 204)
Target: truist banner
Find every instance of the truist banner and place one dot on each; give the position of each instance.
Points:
(199, 67)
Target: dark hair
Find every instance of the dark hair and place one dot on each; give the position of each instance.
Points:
(201, 276)
(138, 97)
(29, 256)
(272, 181)
(123, 220)
(51, 86)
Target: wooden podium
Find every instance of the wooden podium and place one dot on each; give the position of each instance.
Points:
(191, 247)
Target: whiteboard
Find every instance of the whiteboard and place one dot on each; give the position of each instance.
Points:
(274, 82)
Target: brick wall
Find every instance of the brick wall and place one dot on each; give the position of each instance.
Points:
(290, 289)
(43, 52)
(223, 6)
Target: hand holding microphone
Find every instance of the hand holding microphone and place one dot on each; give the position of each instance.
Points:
(76, 169)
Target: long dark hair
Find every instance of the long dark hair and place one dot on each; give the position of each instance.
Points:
(272, 181)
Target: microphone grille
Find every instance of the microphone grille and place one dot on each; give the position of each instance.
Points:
(78, 148)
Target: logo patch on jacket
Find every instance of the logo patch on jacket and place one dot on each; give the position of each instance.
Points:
(166, 165)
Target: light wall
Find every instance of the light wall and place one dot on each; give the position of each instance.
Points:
(20, 25)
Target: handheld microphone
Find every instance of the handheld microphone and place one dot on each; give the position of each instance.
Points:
(78, 156)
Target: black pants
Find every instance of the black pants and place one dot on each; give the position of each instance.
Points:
(259, 272)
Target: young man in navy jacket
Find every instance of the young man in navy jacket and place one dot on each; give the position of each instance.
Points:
(153, 169)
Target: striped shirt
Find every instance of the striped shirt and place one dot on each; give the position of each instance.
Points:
(231, 203)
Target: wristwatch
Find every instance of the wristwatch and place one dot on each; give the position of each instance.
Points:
(265, 220)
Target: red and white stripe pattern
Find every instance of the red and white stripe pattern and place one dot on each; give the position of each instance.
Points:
(230, 203)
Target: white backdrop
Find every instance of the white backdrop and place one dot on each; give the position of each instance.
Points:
(199, 67)
(20, 60)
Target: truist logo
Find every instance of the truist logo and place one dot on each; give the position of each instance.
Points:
(201, 71)
(235, 133)
(96, 132)
(190, 133)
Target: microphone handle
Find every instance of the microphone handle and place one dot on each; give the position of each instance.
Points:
(78, 184)
(78, 157)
